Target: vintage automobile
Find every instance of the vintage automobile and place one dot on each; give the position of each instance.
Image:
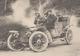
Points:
(38, 40)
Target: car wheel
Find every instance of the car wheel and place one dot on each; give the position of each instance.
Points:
(38, 41)
(13, 43)
(68, 36)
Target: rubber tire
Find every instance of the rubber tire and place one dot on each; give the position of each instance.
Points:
(9, 46)
(45, 46)
(68, 41)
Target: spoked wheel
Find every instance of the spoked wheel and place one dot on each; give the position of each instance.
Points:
(14, 43)
(38, 41)
(68, 36)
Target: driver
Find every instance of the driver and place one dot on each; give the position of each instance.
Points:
(39, 21)
(50, 22)
(51, 19)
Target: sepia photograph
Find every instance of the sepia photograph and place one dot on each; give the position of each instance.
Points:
(39, 27)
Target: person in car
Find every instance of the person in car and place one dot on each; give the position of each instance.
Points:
(39, 20)
(51, 19)
(50, 22)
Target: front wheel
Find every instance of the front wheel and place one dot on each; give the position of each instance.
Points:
(14, 43)
(38, 41)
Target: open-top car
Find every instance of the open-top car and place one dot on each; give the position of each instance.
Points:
(37, 39)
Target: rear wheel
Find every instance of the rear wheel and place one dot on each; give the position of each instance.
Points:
(68, 36)
(38, 41)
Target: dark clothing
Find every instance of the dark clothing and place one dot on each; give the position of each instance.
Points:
(51, 21)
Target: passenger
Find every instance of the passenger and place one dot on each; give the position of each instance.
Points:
(50, 23)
